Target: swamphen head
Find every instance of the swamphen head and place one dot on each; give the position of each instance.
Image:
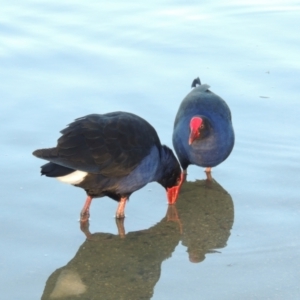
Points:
(199, 128)
(171, 174)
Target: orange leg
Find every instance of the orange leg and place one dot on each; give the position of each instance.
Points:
(85, 212)
(121, 207)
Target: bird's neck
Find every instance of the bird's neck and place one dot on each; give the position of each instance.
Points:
(166, 162)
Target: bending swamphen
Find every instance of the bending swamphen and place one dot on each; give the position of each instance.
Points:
(203, 134)
(112, 155)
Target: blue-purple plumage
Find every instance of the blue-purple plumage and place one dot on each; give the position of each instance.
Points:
(215, 140)
(111, 155)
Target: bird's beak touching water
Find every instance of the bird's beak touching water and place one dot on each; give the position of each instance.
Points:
(173, 192)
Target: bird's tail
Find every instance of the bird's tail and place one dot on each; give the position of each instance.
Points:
(53, 170)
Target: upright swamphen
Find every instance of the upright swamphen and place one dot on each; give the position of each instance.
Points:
(203, 134)
(112, 155)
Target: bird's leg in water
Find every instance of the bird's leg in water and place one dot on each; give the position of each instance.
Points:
(120, 226)
(208, 174)
(84, 226)
(121, 207)
(208, 170)
(85, 212)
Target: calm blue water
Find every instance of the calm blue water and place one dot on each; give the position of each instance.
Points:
(62, 60)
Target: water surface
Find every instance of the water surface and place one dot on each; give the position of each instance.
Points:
(60, 61)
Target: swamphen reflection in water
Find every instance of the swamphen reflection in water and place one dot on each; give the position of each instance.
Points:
(203, 134)
(112, 155)
(112, 268)
(109, 267)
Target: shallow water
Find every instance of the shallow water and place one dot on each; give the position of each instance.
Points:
(60, 61)
(117, 268)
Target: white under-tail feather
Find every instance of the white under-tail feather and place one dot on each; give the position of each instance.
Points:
(73, 178)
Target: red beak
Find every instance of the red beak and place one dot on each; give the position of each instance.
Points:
(193, 136)
(173, 192)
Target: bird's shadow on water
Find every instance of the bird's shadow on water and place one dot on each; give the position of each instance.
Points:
(110, 266)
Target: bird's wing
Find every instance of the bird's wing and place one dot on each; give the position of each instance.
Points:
(111, 144)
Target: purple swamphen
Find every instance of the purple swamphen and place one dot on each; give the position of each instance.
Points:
(203, 134)
(112, 155)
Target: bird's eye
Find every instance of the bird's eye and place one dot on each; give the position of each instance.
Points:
(202, 126)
